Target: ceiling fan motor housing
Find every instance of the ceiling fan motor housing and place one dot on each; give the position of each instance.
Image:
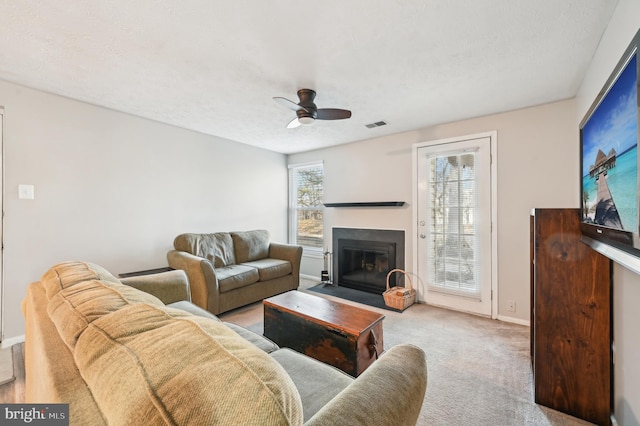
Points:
(307, 111)
(306, 97)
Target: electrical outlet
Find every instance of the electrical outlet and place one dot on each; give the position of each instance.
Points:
(25, 192)
(511, 305)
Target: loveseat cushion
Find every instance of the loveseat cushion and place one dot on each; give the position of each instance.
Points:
(196, 244)
(250, 245)
(269, 269)
(235, 276)
(129, 361)
(223, 254)
(216, 247)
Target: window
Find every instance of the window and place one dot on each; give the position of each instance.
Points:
(305, 206)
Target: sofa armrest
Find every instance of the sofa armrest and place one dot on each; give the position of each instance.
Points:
(202, 278)
(170, 286)
(288, 252)
(390, 392)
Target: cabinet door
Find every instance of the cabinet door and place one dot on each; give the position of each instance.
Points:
(572, 319)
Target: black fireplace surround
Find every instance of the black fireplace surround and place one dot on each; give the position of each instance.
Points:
(363, 257)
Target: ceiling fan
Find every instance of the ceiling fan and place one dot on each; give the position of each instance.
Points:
(307, 112)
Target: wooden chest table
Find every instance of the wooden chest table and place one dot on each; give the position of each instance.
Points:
(338, 334)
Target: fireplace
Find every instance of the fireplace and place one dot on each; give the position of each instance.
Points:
(363, 257)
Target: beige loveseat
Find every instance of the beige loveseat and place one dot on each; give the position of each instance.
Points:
(227, 270)
(120, 356)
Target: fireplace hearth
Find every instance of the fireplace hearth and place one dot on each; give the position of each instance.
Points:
(363, 257)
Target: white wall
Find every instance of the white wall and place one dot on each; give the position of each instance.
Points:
(626, 284)
(116, 189)
(531, 142)
(312, 266)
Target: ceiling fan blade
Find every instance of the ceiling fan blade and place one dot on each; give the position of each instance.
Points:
(289, 104)
(333, 114)
(293, 123)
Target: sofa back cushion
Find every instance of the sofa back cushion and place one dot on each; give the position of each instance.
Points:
(251, 245)
(67, 274)
(73, 308)
(216, 247)
(145, 365)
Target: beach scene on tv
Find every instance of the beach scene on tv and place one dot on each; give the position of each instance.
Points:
(610, 157)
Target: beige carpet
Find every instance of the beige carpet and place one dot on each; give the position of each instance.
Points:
(6, 366)
(479, 369)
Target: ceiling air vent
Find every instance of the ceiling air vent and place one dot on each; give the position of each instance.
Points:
(376, 124)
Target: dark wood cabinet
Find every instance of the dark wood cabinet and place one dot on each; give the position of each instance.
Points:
(570, 318)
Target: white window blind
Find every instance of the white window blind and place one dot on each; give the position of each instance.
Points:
(453, 241)
(306, 188)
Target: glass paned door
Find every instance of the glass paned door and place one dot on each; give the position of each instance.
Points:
(454, 224)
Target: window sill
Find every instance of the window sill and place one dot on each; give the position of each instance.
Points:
(312, 252)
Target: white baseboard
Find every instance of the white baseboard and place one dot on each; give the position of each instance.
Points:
(514, 320)
(7, 343)
(310, 277)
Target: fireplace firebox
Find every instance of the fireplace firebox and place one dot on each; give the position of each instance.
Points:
(364, 265)
(363, 257)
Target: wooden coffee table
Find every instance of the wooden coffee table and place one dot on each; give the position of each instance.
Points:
(345, 336)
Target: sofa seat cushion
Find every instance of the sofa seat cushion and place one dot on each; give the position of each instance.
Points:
(235, 276)
(255, 339)
(269, 269)
(317, 382)
(146, 366)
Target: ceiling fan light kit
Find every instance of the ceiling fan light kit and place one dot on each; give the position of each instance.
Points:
(306, 120)
(307, 112)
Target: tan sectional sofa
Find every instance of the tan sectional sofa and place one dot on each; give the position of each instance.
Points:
(227, 270)
(121, 356)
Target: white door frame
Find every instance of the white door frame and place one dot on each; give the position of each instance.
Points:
(493, 136)
(1, 224)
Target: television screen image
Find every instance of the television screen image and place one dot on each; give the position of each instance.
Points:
(610, 156)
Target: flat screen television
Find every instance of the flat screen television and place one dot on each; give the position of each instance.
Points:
(609, 198)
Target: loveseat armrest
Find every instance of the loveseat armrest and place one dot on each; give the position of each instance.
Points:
(170, 286)
(390, 392)
(203, 282)
(288, 252)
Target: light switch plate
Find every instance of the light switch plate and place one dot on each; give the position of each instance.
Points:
(26, 192)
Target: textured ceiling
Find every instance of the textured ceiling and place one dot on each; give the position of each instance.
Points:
(214, 66)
